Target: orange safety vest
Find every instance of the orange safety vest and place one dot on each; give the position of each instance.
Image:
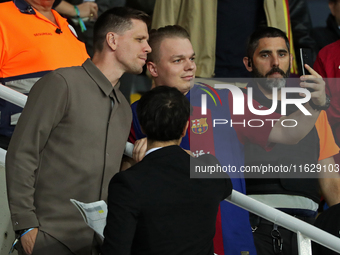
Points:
(30, 43)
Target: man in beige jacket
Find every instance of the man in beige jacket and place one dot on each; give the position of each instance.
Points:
(70, 139)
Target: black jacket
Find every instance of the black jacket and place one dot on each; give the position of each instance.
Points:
(326, 35)
(156, 208)
(301, 26)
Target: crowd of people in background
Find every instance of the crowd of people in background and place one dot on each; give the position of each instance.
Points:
(71, 56)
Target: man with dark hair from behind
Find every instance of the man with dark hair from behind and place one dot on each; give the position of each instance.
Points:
(70, 139)
(154, 206)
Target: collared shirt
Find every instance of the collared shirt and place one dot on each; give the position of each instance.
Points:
(152, 150)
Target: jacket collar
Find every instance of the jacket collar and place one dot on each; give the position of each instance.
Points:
(24, 7)
(331, 23)
(103, 83)
(165, 151)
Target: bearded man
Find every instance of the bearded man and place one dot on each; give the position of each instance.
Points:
(269, 61)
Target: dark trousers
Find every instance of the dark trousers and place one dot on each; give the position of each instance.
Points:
(271, 239)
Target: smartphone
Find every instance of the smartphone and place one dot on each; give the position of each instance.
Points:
(306, 58)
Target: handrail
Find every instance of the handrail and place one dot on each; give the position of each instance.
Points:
(280, 218)
(12, 96)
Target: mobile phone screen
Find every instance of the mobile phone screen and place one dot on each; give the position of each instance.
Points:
(306, 58)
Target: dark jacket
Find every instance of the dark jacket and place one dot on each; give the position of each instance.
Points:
(326, 35)
(301, 27)
(156, 208)
(328, 221)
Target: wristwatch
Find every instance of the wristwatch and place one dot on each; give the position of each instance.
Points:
(321, 107)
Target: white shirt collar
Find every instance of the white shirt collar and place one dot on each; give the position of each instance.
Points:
(152, 150)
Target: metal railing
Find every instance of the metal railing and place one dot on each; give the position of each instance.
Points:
(305, 232)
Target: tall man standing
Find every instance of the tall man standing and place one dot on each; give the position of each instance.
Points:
(71, 136)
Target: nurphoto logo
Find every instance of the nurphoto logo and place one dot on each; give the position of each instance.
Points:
(238, 100)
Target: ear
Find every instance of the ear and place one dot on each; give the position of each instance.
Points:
(291, 59)
(111, 40)
(331, 6)
(185, 129)
(247, 63)
(152, 69)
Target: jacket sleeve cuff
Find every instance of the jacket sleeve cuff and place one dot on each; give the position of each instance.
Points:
(23, 221)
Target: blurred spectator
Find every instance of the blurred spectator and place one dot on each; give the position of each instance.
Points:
(39, 41)
(231, 22)
(328, 221)
(329, 34)
(85, 10)
(328, 66)
(56, 2)
(88, 13)
(143, 5)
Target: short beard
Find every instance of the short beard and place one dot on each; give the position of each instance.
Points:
(269, 83)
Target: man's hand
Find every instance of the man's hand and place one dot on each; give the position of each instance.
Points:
(288, 135)
(317, 84)
(88, 9)
(28, 240)
(139, 150)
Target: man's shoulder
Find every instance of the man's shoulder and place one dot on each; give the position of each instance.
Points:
(69, 74)
(7, 8)
(157, 163)
(215, 96)
(331, 50)
(205, 159)
(59, 80)
(69, 70)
